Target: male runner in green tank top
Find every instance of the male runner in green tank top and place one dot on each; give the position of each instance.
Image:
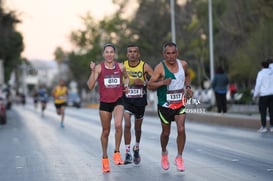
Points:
(172, 81)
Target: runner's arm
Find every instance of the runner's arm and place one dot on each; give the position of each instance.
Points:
(156, 79)
(187, 82)
(95, 71)
(148, 70)
(125, 75)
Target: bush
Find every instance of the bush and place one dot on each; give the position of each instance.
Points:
(247, 96)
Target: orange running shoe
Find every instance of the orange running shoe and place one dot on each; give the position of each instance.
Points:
(105, 165)
(117, 158)
(165, 162)
(179, 164)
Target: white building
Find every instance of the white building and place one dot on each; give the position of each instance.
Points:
(46, 72)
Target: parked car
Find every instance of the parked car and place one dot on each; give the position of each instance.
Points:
(74, 100)
(3, 117)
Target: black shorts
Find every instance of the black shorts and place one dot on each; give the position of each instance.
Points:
(35, 100)
(166, 115)
(58, 106)
(43, 100)
(138, 111)
(109, 107)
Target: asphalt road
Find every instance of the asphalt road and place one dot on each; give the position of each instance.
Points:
(35, 148)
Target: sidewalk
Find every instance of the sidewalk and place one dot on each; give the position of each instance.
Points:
(244, 116)
(227, 119)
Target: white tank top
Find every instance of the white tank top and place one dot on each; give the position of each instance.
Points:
(175, 90)
(178, 82)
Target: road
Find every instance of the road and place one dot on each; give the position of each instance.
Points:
(35, 148)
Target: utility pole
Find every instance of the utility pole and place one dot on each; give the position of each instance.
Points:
(211, 52)
(173, 20)
(2, 79)
(23, 78)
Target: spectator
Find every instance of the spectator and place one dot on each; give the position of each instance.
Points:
(264, 90)
(219, 85)
(232, 90)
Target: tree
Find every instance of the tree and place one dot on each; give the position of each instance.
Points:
(241, 35)
(11, 41)
(88, 43)
(60, 55)
(244, 36)
(61, 58)
(241, 28)
(90, 40)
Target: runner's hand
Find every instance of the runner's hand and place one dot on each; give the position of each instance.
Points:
(167, 81)
(189, 93)
(126, 89)
(92, 66)
(139, 82)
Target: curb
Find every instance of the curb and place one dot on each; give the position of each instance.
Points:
(227, 119)
(239, 121)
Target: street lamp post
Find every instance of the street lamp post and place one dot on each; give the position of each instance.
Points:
(173, 21)
(2, 79)
(23, 78)
(211, 41)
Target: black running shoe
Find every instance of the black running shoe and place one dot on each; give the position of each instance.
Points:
(136, 155)
(128, 158)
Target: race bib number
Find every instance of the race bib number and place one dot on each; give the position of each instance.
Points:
(62, 97)
(174, 96)
(111, 82)
(135, 93)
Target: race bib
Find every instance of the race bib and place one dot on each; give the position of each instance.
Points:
(112, 81)
(134, 92)
(174, 96)
(62, 97)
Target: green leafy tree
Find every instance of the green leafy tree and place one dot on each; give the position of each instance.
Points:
(88, 43)
(90, 40)
(11, 41)
(241, 29)
(242, 35)
(150, 28)
(60, 55)
(244, 38)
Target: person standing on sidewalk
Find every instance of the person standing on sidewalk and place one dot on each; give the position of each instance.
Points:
(171, 79)
(59, 94)
(112, 80)
(220, 85)
(135, 100)
(264, 90)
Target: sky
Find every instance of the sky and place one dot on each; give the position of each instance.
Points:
(46, 24)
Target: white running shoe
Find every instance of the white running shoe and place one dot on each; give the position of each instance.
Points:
(262, 130)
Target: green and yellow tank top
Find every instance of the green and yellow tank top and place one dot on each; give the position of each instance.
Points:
(136, 93)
